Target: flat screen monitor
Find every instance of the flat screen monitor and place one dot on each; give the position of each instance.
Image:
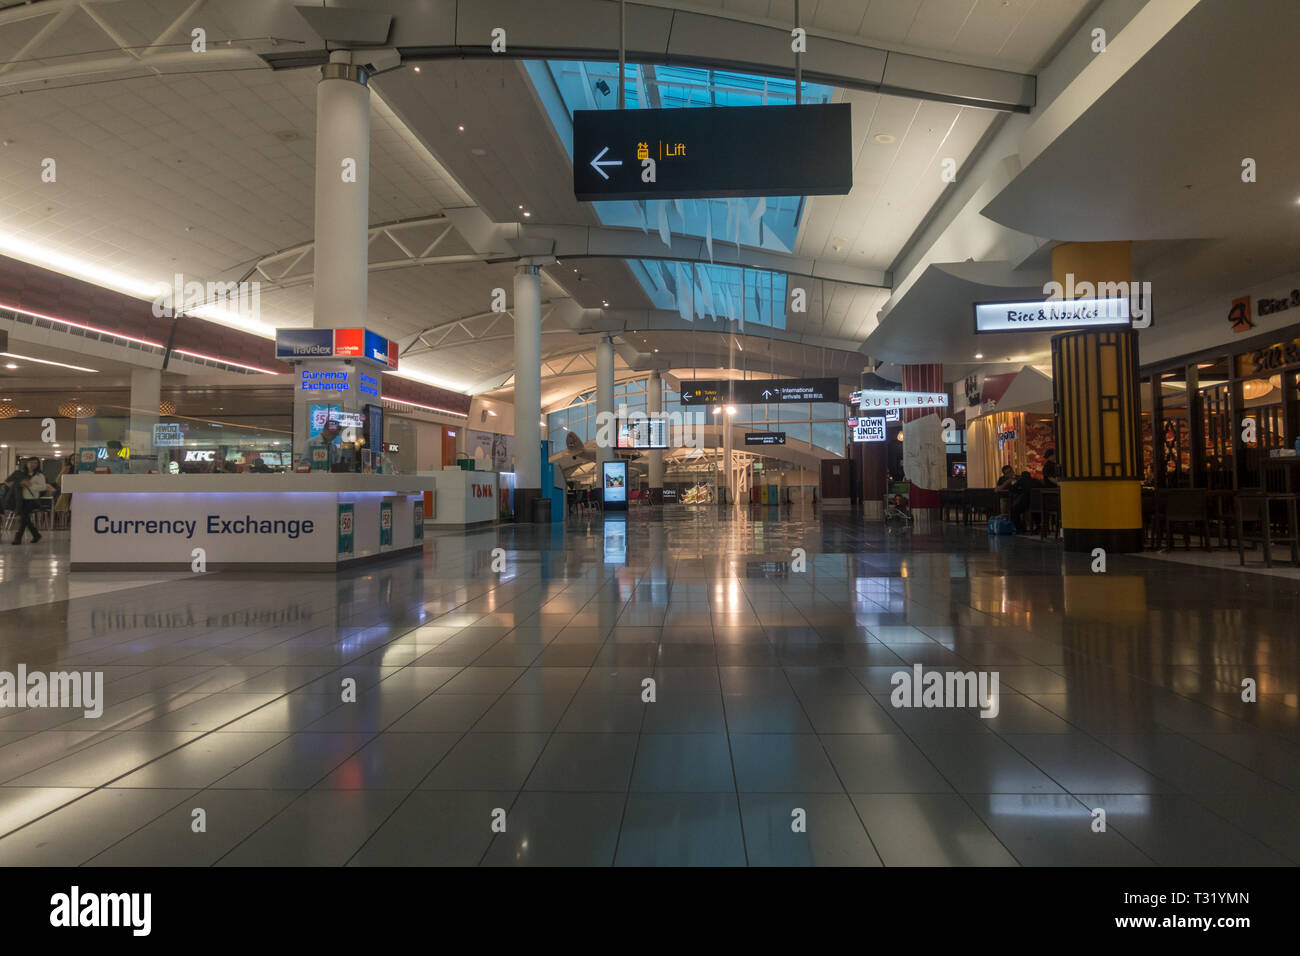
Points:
(375, 427)
(614, 485)
(650, 433)
(959, 469)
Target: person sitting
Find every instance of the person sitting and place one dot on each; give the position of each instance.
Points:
(1007, 480)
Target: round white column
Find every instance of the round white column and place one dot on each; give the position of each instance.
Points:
(605, 398)
(528, 384)
(342, 194)
(654, 403)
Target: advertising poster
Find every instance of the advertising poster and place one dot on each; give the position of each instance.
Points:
(320, 458)
(417, 519)
(345, 528)
(385, 524)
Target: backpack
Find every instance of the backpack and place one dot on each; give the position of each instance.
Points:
(1001, 524)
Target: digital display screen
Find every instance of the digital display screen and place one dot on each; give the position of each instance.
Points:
(614, 481)
(959, 469)
(650, 433)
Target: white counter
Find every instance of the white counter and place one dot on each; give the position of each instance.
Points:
(318, 521)
(465, 499)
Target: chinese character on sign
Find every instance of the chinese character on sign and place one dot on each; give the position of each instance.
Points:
(642, 150)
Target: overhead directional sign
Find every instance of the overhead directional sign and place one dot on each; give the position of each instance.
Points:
(713, 152)
(761, 392)
(764, 438)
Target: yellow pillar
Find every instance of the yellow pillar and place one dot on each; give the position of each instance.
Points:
(1098, 412)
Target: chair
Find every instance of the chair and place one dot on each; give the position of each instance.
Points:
(1253, 508)
(62, 513)
(1045, 503)
(1188, 508)
(1150, 518)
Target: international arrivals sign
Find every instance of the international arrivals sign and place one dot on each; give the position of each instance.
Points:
(874, 400)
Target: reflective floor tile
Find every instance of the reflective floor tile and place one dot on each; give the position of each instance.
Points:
(681, 829)
(21, 805)
(847, 714)
(444, 713)
(319, 828)
(390, 762)
(1177, 830)
(1053, 830)
(882, 763)
(435, 828)
(202, 761)
(584, 762)
(487, 762)
(228, 816)
(533, 713)
(296, 763)
(603, 713)
(692, 763)
(674, 713)
(929, 829)
(782, 763)
(766, 715)
(106, 761)
(79, 830)
(1083, 764)
(559, 829)
(983, 764)
(831, 835)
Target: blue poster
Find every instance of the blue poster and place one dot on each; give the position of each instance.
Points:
(385, 524)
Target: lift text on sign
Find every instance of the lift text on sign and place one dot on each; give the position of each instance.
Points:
(713, 152)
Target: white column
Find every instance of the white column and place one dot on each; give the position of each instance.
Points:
(654, 404)
(342, 194)
(528, 380)
(605, 395)
(728, 467)
(146, 389)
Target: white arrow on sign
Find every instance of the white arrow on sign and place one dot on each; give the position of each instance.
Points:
(766, 393)
(597, 163)
(686, 398)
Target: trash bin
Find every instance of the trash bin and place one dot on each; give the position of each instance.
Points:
(541, 510)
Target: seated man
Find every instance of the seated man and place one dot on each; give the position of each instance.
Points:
(1008, 479)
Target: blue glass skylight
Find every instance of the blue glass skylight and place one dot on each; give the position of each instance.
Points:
(745, 295)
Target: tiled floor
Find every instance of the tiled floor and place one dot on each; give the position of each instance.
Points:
(499, 718)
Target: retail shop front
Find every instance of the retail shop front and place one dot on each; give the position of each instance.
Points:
(1225, 417)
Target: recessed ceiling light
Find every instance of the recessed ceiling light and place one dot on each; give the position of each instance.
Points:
(417, 69)
(461, 128)
(527, 213)
(10, 365)
(979, 354)
(884, 138)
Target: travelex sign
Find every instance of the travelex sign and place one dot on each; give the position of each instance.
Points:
(335, 343)
(291, 528)
(877, 400)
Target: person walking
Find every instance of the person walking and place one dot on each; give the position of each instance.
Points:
(28, 483)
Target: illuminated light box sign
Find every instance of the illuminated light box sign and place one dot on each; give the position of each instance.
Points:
(1055, 314)
(870, 428)
(764, 438)
(713, 152)
(761, 391)
(168, 435)
(335, 343)
(881, 401)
